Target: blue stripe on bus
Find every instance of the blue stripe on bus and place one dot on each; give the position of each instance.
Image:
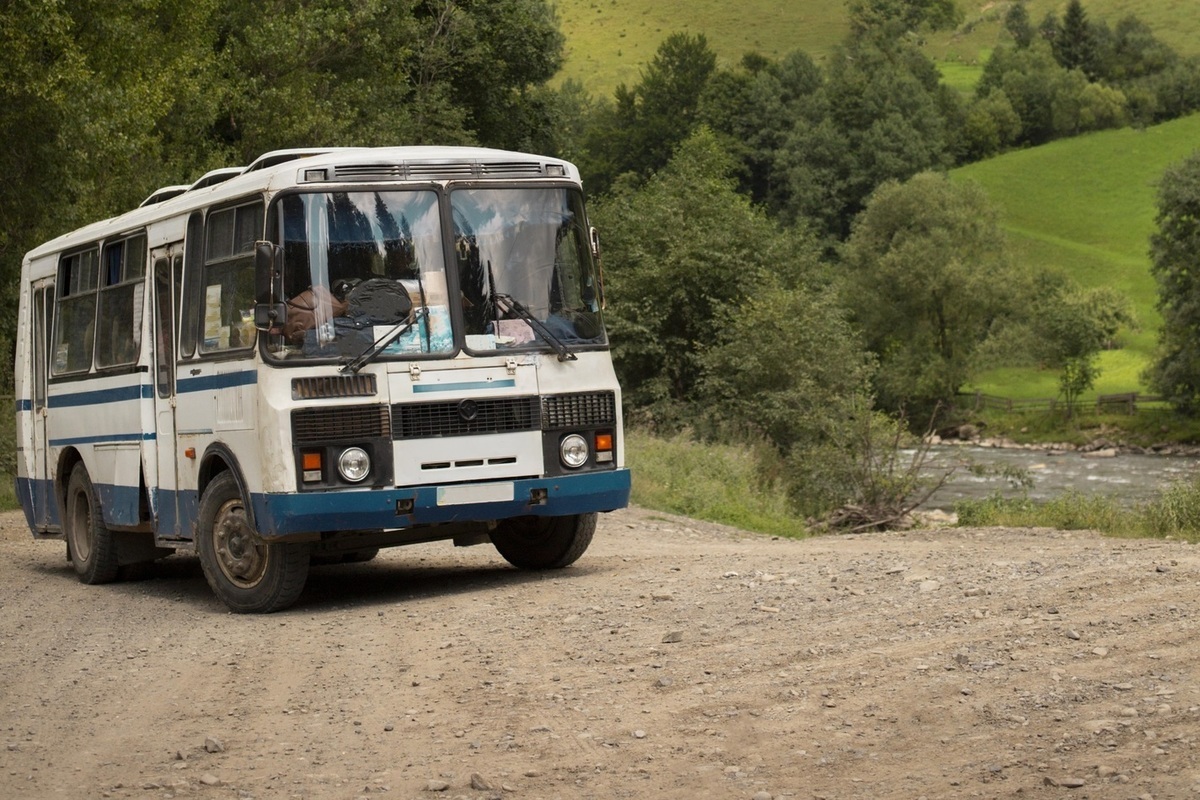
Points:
(119, 394)
(104, 439)
(226, 380)
(462, 387)
(24, 405)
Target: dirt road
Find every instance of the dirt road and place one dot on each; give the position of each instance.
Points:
(675, 660)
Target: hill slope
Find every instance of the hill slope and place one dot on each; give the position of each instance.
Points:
(1086, 206)
(609, 41)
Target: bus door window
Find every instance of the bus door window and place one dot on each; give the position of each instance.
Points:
(164, 326)
(43, 307)
(188, 285)
(75, 333)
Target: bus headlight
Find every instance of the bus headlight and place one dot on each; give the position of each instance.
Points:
(573, 451)
(354, 464)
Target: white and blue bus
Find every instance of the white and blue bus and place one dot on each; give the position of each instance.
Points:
(322, 354)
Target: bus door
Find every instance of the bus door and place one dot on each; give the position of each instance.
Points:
(44, 511)
(168, 269)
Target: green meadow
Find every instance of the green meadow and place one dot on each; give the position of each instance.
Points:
(609, 41)
(1085, 206)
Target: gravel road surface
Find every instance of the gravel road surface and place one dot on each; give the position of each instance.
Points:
(676, 659)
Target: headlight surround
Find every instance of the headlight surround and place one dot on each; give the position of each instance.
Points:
(573, 451)
(354, 465)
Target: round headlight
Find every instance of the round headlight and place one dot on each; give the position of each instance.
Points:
(354, 464)
(573, 450)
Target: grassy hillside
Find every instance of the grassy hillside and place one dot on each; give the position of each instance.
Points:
(1086, 206)
(608, 41)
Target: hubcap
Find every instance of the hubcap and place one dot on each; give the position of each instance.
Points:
(240, 553)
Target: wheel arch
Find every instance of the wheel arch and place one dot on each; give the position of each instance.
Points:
(219, 458)
(67, 460)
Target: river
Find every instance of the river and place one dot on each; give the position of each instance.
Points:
(1130, 478)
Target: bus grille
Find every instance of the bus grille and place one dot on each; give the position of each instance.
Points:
(325, 386)
(321, 425)
(585, 410)
(465, 417)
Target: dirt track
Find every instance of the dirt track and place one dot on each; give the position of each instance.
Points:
(675, 660)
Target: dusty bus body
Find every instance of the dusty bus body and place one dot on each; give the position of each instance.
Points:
(322, 354)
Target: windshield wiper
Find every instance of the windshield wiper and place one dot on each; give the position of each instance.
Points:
(380, 344)
(511, 304)
(539, 327)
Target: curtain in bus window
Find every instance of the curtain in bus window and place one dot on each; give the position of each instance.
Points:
(228, 292)
(76, 319)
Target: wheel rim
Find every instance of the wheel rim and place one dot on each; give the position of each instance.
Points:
(81, 527)
(241, 556)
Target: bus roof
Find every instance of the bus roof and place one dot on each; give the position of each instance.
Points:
(282, 169)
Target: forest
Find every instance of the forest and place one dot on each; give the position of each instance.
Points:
(787, 262)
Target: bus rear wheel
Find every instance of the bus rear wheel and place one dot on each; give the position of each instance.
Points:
(544, 542)
(250, 576)
(92, 547)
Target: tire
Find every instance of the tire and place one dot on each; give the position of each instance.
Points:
(91, 546)
(544, 542)
(249, 576)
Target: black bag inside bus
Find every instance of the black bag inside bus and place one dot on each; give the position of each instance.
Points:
(379, 301)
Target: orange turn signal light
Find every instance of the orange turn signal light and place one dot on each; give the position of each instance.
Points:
(311, 461)
(604, 442)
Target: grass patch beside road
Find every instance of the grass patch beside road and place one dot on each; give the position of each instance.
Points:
(717, 483)
(1174, 514)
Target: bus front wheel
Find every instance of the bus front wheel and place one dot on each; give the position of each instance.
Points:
(92, 547)
(249, 575)
(544, 542)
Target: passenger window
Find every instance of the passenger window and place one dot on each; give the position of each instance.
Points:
(121, 302)
(75, 331)
(228, 290)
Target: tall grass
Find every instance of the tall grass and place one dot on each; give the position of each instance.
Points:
(1175, 513)
(718, 483)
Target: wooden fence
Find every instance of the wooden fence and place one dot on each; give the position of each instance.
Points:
(1126, 403)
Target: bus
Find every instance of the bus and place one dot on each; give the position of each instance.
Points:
(325, 353)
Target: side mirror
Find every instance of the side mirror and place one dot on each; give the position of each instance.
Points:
(269, 310)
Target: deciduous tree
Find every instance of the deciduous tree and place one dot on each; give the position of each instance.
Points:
(1173, 248)
(682, 254)
(927, 275)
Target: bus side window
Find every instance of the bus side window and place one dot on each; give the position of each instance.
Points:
(228, 286)
(75, 331)
(121, 302)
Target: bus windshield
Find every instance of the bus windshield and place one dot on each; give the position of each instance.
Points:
(370, 266)
(525, 269)
(356, 266)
